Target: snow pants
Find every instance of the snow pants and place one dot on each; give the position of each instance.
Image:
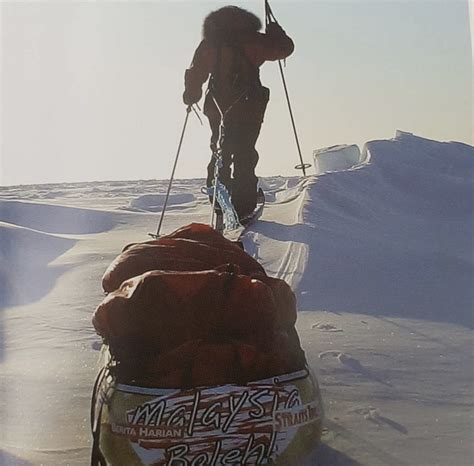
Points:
(242, 125)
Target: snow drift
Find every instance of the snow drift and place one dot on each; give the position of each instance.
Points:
(55, 218)
(393, 237)
(155, 202)
(24, 258)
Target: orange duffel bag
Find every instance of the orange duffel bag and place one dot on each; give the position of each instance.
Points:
(193, 248)
(157, 311)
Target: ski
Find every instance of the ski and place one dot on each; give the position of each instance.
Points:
(236, 234)
(255, 215)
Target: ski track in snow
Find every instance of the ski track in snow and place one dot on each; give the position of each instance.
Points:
(293, 260)
(379, 254)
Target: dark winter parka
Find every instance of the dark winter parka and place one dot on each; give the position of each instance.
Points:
(232, 50)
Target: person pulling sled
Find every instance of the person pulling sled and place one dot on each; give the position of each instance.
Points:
(229, 56)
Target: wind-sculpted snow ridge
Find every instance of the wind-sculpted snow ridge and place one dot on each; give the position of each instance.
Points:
(28, 245)
(55, 218)
(24, 258)
(156, 202)
(393, 237)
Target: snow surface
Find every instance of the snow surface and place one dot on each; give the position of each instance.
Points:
(379, 253)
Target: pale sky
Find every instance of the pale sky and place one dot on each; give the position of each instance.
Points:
(92, 90)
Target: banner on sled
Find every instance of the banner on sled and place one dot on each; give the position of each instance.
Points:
(275, 421)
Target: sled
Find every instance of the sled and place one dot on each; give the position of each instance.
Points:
(277, 421)
(203, 364)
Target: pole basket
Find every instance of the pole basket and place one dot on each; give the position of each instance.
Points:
(302, 166)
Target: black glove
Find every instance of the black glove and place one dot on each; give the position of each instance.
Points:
(191, 97)
(274, 29)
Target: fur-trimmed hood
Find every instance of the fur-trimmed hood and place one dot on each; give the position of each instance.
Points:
(228, 22)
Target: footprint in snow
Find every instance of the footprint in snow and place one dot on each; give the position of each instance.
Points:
(326, 327)
(350, 362)
(97, 345)
(343, 358)
(373, 415)
(353, 364)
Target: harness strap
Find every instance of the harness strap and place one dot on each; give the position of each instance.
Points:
(238, 52)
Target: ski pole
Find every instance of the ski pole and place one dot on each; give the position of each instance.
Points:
(157, 235)
(301, 166)
(269, 17)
